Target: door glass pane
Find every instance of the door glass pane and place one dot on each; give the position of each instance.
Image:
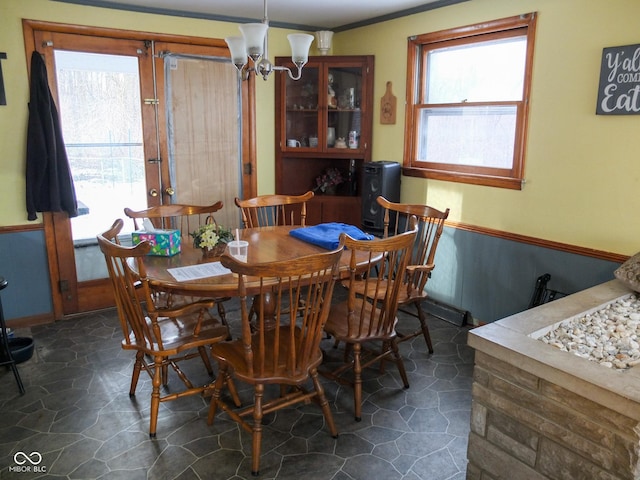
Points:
(99, 98)
(204, 133)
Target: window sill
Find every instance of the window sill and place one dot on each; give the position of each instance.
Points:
(469, 178)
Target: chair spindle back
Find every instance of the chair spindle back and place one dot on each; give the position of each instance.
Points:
(269, 210)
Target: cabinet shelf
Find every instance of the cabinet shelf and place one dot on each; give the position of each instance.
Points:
(342, 89)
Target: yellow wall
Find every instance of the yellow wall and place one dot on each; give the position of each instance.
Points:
(582, 170)
(14, 115)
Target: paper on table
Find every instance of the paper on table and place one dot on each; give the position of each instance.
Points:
(193, 272)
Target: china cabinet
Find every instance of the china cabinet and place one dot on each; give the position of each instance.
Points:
(323, 122)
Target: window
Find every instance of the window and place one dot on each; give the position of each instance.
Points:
(467, 102)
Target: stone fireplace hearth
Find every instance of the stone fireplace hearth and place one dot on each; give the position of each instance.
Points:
(540, 413)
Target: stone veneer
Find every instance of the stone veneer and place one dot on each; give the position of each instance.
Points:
(540, 413)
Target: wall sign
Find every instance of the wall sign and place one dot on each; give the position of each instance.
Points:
(619, 89)
(3, 97)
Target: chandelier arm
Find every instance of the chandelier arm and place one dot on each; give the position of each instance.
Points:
(288, 70)
(248, 45)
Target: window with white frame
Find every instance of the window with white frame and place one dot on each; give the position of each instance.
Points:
(467, 102)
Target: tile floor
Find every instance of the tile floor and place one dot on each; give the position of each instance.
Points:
(78, 415)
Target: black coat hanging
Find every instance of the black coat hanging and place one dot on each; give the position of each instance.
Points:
(48, 176)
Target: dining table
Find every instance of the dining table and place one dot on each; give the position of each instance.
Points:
(182, 273)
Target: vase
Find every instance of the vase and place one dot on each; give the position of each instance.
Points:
(331, 136)
(330, 190)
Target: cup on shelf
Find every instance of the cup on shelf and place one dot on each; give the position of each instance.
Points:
(313, 141)
(292, 142)
(238, 249)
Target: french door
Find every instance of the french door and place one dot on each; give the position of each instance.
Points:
(117, 100)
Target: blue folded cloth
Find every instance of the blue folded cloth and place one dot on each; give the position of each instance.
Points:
(327, 235)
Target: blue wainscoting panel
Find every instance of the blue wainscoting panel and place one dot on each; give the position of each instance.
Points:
(23, 262)
(493, 278)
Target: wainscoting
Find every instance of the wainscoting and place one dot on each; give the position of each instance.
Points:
(23, 262)
(493, 277)
(489, 275)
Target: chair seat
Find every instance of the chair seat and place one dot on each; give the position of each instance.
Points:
(347, 328)
(405, 295)
(266, 370)
(177, 335)
(172, 300)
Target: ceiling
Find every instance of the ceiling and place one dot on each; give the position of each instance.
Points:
(336, 15)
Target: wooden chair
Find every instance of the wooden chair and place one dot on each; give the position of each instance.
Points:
(165, 335)
(421, 263)
(285, 352)
(269, 210)
(187, 219)
(371, 320)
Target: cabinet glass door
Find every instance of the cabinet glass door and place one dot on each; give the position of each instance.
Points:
(343, 107)
(302, 102)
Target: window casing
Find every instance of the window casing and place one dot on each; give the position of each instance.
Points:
(467, 102)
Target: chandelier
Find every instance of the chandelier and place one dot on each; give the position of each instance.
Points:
(253, 44)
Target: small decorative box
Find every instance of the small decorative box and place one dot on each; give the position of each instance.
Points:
(164, 243)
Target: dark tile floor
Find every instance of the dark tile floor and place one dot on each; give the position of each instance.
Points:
(78, 416)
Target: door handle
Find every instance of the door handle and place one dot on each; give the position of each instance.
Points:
(153, 192)
(169, 191)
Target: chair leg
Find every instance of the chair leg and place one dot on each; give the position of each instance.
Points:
(155, 396)
(137, 366)
(324, 403)
(232, 390)
(257, 430)
(215, 396)
(348, 347)
(357, 382)
(424, 327)
(205, 359)
(222, 313)
(399, 363)
(165, 374)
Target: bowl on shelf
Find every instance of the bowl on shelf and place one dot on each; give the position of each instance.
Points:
(21, 348)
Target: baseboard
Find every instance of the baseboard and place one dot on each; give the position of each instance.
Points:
(446, 312)
(31, 321)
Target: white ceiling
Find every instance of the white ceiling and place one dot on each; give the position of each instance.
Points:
(303, 14)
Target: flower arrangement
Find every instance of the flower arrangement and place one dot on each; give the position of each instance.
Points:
(329, 179)
(211, 236)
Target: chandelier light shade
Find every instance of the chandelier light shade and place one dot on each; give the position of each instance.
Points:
(254, 35)
(323, 41)
(300, 44)
(238, 50)
(253, 45)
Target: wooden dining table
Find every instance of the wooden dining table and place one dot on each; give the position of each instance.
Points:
(266, 244)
